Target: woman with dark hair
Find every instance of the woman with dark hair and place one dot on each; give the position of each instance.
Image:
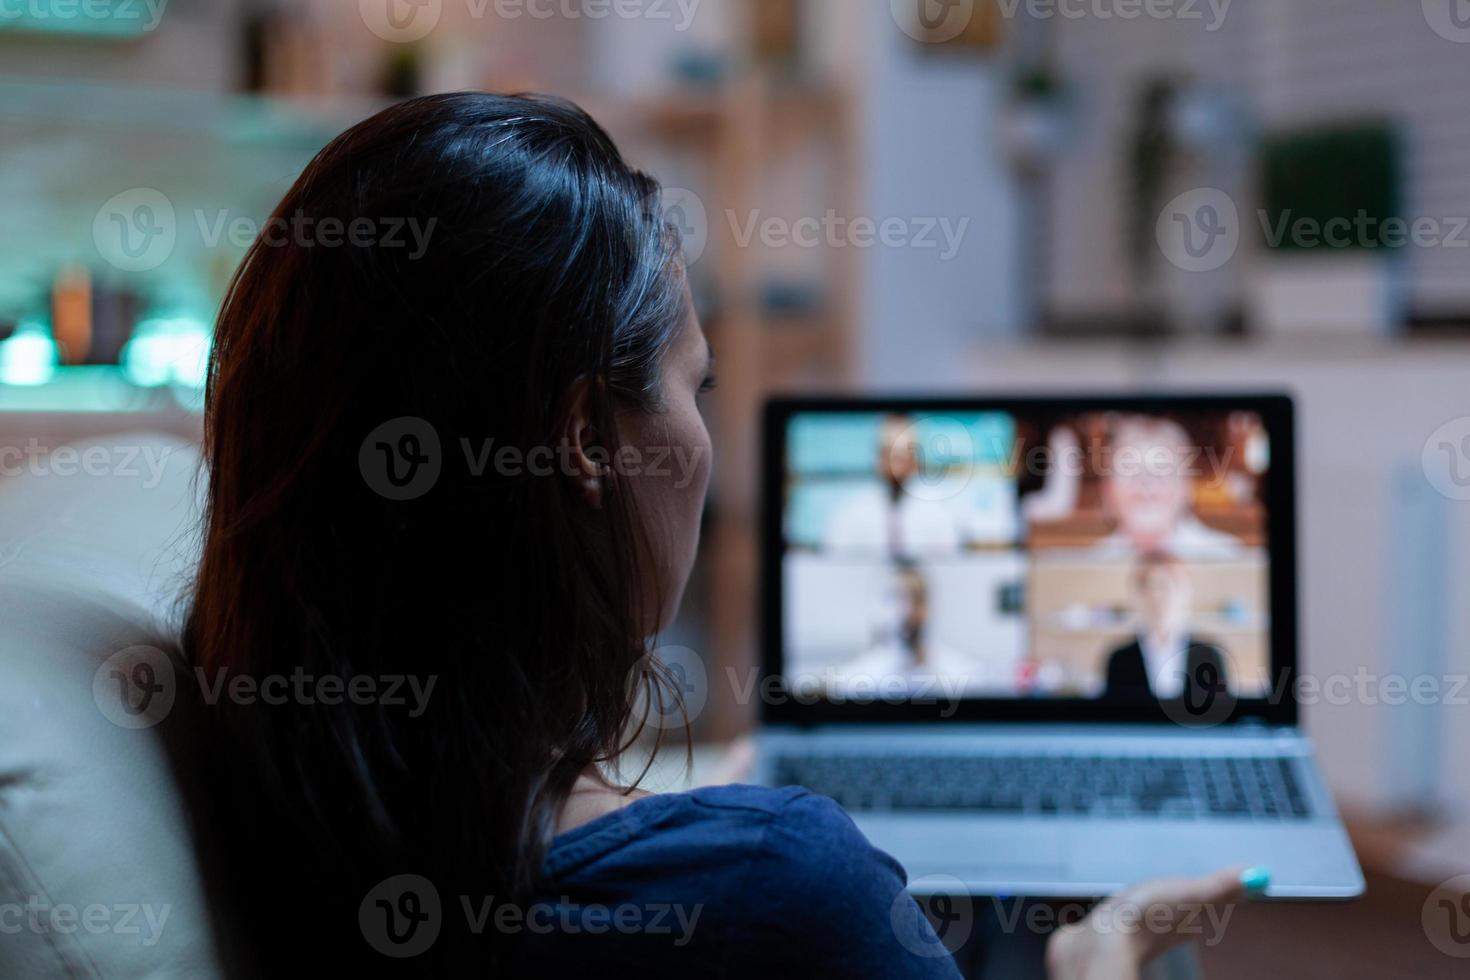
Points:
(433, 464)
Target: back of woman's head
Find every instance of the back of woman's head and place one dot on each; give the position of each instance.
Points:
(417, 313)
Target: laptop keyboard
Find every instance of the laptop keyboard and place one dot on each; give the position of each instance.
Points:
(1258, 788)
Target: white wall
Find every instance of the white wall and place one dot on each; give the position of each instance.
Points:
(930, 153)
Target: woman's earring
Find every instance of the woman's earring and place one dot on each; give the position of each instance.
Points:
(592, 488)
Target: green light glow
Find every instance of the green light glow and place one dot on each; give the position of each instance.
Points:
(168, 351)
(29, 356)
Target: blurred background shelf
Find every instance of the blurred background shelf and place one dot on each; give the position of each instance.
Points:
(99, 389)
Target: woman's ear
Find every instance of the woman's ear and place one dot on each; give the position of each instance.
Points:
(586, 452)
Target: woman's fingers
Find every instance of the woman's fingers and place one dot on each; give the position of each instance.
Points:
(1160, 914)
(1132, 927)
(1226, 885)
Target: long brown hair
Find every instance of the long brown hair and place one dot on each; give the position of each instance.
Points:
(540, 260)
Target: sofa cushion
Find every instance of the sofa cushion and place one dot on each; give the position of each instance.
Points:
(100, 873)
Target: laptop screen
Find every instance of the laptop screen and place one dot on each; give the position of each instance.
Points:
(1109, 551)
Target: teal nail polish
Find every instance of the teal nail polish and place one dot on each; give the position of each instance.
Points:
(1256, 880)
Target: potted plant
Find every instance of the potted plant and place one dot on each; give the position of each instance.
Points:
(1035, 121)
(1331, 226)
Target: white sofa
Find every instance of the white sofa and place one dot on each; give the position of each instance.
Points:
(100, 874)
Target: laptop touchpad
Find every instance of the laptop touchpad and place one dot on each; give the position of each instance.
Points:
(969, 848)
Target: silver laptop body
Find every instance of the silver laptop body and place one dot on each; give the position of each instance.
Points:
(1039, 782)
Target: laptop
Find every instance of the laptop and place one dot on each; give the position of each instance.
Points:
(1044, 646)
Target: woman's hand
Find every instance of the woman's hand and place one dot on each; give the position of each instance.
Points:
(1128, 930)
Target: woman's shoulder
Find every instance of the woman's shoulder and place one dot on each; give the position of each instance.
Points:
(796, 824)
(814, 856)
(786, 817)
(788, 810)
(785, 865)
(728, 837)
(721, 822)
(740, 797)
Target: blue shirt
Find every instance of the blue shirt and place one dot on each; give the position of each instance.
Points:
(730, 881)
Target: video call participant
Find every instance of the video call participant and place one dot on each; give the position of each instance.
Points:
(1164, 659)
(1148, 491)
(889, 517)
(901, 647)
